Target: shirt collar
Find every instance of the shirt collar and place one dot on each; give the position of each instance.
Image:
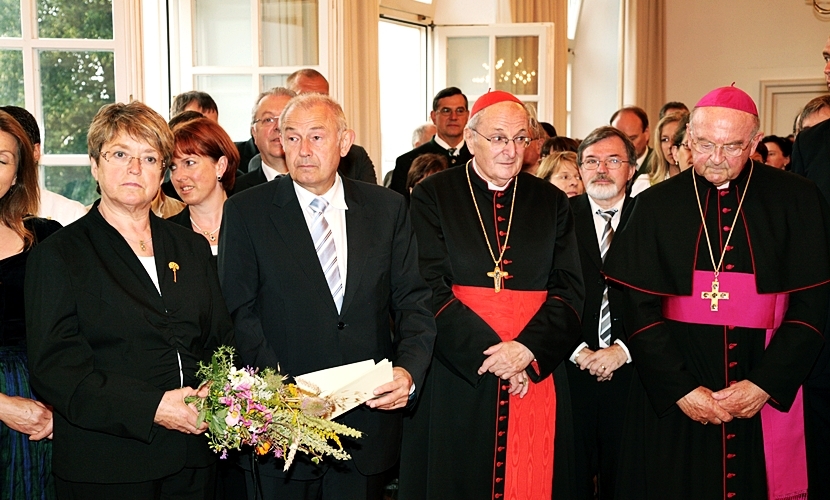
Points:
(490, 185)
(446, 146)
(642, 158)
(335, 196)
(595, 207)
(270, 172)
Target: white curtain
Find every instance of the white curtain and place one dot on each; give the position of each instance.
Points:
(644, 55)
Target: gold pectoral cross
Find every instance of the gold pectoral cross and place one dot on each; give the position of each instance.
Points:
(497, 276)
(714, 295)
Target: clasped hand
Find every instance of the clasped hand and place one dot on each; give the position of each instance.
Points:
(26, 416)
(174, 414)
(508, 361)
(741, 400)
(603, 362)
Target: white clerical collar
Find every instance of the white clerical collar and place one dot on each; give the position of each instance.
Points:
(270, 172)
(446, 146)
(490, 185)
(617, 206)
(725, 185)
(334, 196)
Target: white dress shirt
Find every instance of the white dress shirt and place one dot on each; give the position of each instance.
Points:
(599, 227)
(335, 215)
(270, 173)
(446, 146)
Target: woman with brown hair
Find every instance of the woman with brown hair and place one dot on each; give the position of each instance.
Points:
(25, 460)
(203, 172)
(560, 170)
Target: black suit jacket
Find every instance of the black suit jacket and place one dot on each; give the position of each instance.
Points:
(355, 165)
(104, 346)
(589, 257)
(404, 162)
(284, 313)
(247, 150)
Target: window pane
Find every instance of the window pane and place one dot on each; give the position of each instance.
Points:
(10, 18)
(289, 32)
(221, 32)
(517, 64)
(468, 64)
(271, 81)
(73, 19)
(11, 78)
(232, 94)
(74, 85)
(73, 182)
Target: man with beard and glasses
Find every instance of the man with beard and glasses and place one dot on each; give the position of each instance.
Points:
(725, 268)
(600, 369)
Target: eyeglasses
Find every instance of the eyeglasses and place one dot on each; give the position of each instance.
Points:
(122, 159)
(709, 148)
(501, 142)
(271, 120)
(610, 163)
(448, 111)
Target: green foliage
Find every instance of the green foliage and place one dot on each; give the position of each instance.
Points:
(74, 86)
(11, 77)
(10, 18)
(90, 19)
(73, 182)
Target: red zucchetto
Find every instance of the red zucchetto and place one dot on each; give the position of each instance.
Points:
(728, 97)
(493, 97)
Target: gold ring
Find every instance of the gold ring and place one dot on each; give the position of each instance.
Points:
(602, 366)
(704, 423)
(524, 382)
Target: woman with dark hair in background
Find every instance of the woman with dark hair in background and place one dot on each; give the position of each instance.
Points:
(424, 166)
(25, 459)
(779, 150)
(203, 172)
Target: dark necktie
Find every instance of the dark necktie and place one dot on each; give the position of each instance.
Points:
(605, 309)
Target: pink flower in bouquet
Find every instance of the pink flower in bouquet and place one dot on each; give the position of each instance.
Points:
(232, 418)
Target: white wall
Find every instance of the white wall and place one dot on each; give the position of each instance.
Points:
(595, 66)
(465, 12)
(711, 43)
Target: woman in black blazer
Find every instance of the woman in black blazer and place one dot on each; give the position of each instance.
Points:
(121, 307)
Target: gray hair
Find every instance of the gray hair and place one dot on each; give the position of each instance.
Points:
(418, 132)
(606, 132)
(276, 91)
(307, 101)
(814, 106)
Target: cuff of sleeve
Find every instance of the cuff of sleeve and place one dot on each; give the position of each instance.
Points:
(576, 352)
(624, 348)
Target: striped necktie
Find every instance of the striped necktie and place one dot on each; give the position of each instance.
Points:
(323, 240)
(605, 309)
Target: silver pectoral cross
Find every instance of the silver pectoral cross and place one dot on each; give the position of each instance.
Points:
(497, 276)
(714, 296)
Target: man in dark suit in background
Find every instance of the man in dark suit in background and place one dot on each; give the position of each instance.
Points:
(449, 114)
(269, 163)
(811, 158)
(355, 164)
(600, 371)
(633, 122)
(311, 266)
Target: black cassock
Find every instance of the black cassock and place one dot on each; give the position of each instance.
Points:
(450, 445)
(781, 238)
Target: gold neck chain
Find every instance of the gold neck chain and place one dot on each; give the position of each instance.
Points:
(734, 222)
(497, 273)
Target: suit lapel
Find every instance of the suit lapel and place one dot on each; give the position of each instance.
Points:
(358, 225)
(585, 229)
(289, 222)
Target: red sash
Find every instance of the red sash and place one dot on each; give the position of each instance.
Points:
(532, 419)
(784, 447)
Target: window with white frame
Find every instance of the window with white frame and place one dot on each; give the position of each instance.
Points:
(235, 49)
(62, 60)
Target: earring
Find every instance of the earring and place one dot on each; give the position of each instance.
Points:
(218, 177)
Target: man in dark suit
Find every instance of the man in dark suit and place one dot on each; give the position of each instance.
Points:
(811, 158)
(449, 114)
(355, 164)
(600, 371)
(633, 122)
(269, 163)
(311, 265)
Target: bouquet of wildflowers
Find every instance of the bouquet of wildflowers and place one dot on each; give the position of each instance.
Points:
(247, 407)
